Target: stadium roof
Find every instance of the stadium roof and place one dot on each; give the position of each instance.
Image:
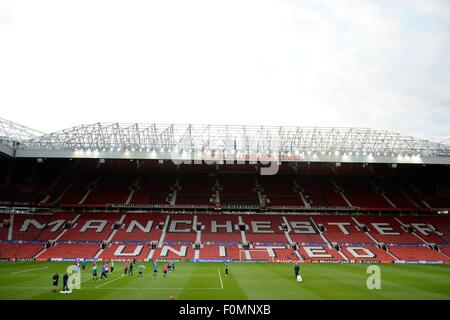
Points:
(201, 142)
(11, 132)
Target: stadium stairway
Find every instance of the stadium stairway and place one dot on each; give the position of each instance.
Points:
(341, 229)
(366, 231)
(432, 229)
(243, 236)
(72, 222)
(140, 227)
(219, 228)
(110, 237)
(19, 250)
(338, 189)
(445, 251)
(133, 186)
(320, 233)
(125, 251)
(337, 237)
(6, 225)
(264, 229)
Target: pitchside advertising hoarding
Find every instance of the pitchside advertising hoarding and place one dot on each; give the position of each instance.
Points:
(254, 225)
(225, 260)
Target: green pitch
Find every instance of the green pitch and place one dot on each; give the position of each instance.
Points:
(32, 280)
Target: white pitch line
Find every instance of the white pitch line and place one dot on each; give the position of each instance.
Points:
(220, 277)
(113, 288)
(190, 276)
(28, 270)
(193, 274)
(153, 288)
(87, 279)
(107, 282)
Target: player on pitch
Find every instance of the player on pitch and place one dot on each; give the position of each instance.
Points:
(140, 269)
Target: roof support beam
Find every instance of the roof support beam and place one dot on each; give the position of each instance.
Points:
(6, 150)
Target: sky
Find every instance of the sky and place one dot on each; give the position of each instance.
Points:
(377, 64)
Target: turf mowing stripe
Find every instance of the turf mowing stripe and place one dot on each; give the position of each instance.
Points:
(111, 288)
(220, 277)
(104, 284)
(248, 281)
(23, 271)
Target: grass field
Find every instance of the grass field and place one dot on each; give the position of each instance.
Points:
(32, 280)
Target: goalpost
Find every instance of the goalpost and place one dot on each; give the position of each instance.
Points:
(243, 257)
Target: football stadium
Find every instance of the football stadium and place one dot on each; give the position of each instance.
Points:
(224, 159)
(170, 211)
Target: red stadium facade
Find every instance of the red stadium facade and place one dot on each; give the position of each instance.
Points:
(316, 212)
(119, 192)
